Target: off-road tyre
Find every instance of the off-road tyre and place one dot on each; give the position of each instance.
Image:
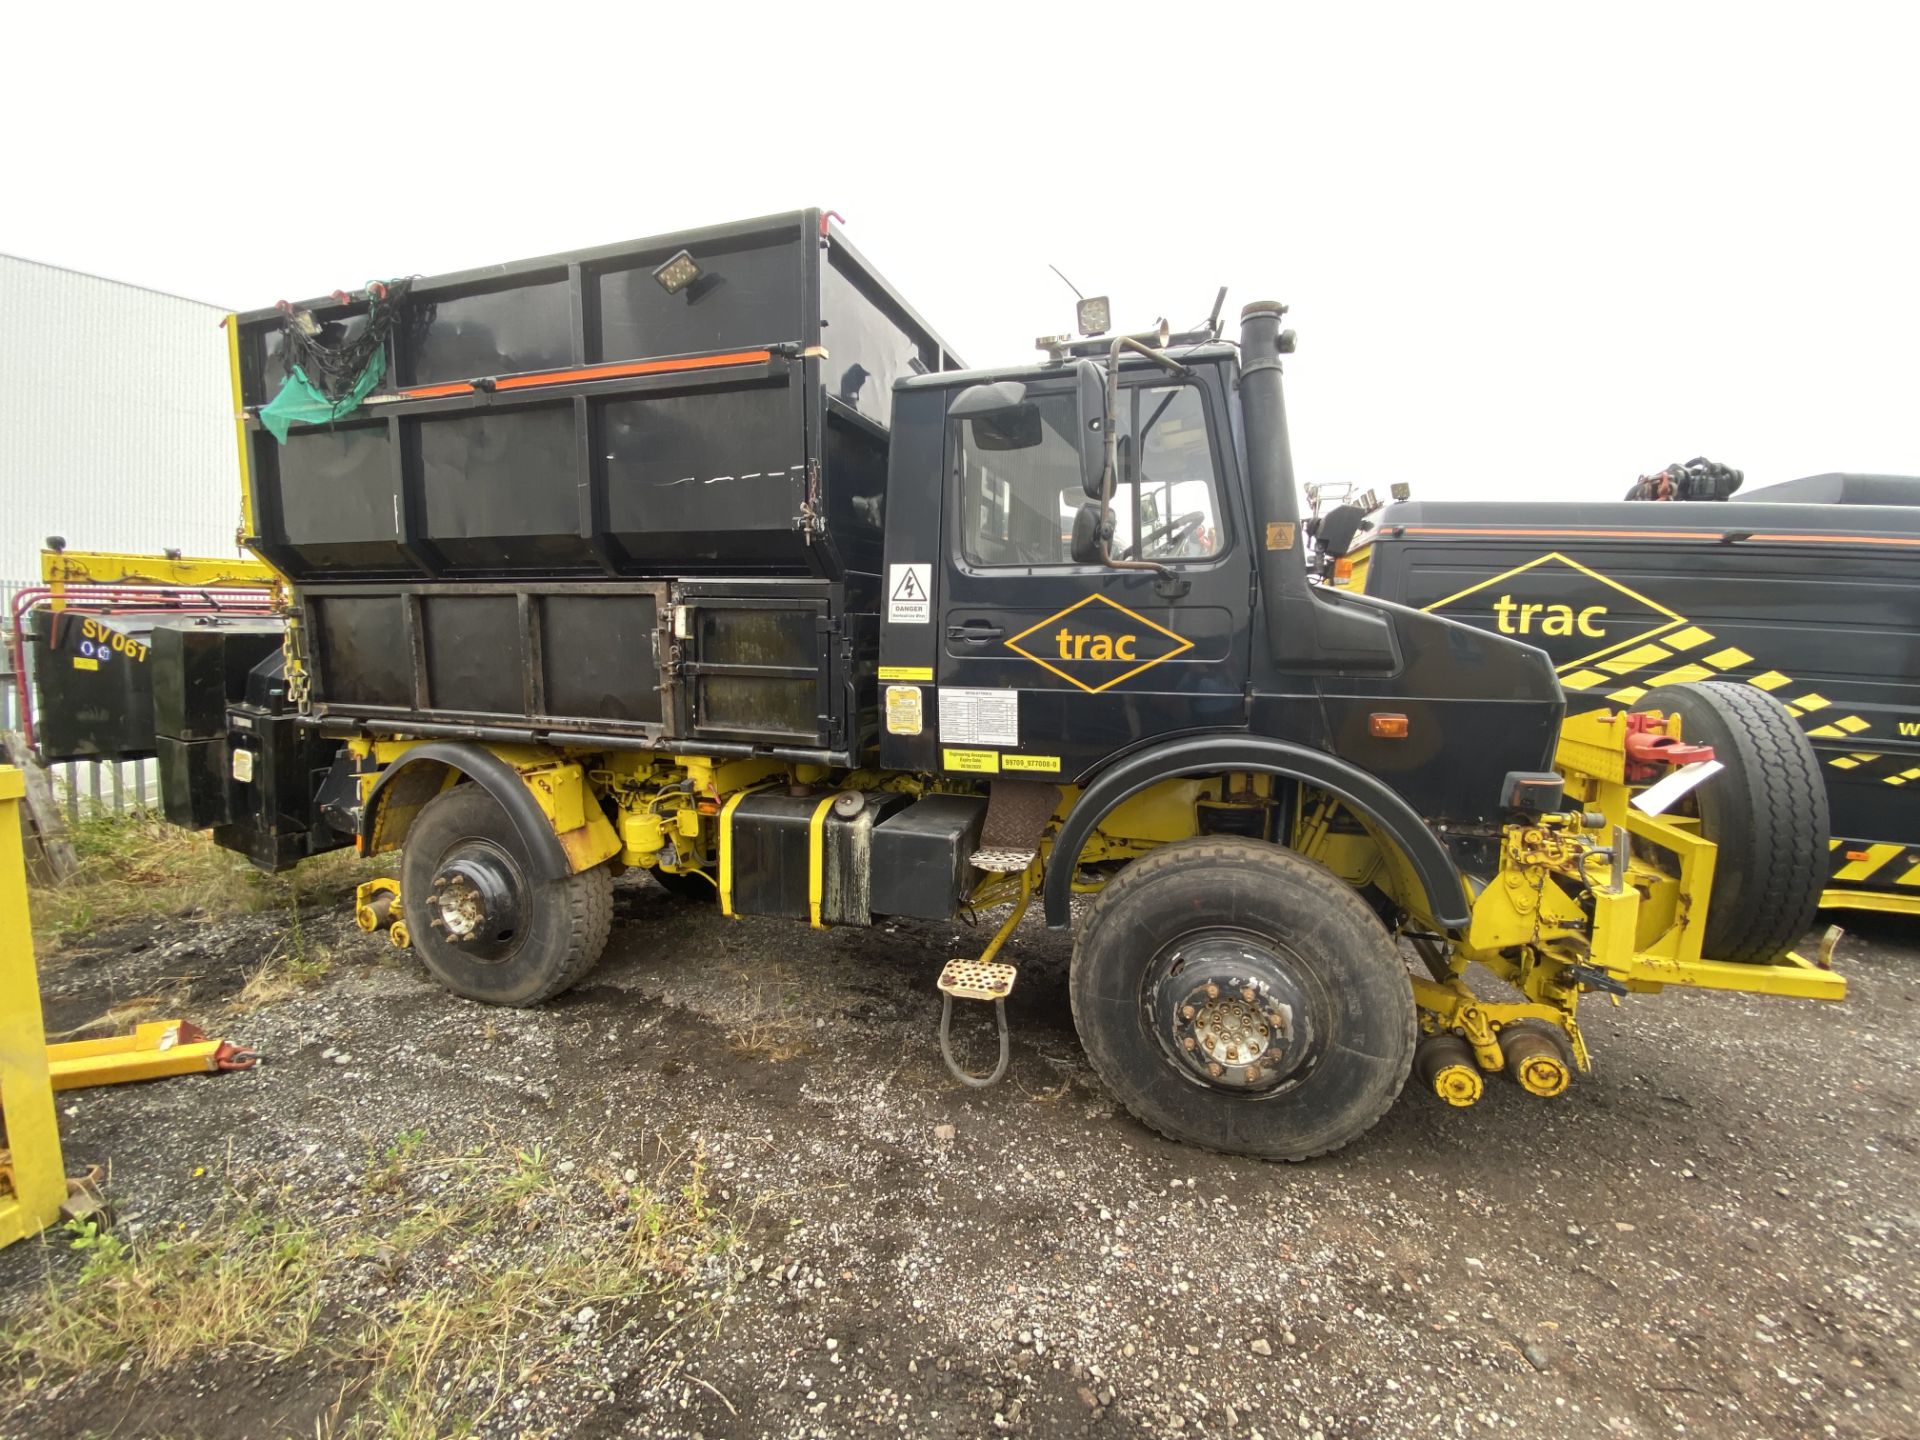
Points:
(566, 921)
(1766, 815)
(1359, 996)
(682, 886)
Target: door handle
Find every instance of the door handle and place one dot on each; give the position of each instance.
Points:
(975, 630)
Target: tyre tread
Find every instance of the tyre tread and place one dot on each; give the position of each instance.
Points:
(1185, 854)
(1788, 839)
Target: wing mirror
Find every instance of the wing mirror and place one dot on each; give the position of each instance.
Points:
(1090, 378)
(1092, 534)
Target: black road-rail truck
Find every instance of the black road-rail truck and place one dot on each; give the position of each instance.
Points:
(1808, 590)
(702, 555)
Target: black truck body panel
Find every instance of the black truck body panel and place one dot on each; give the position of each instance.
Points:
(94, 680)
(491, 556)
(1819, 604)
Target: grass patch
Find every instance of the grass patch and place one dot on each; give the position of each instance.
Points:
(772, 1031)
(453, 1284)
(136, 864)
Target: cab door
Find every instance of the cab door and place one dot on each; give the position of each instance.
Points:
(1048, 667)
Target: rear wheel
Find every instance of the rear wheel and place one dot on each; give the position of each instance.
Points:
(1237, 996)
(478, 917)
(1766, 816)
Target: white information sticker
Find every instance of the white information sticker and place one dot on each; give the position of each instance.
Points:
(979, 717)
(910, 594)
(243, 766)
(1657, 798)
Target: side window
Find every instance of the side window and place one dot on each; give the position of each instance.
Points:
(1020, 481)
(1169, 510)
(1015, 469)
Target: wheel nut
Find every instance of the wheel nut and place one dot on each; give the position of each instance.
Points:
(1188, 1043)
(1186, 1012)
(1213, 991)
(1216, 1069)
(1251, 1074)
(1246, 993)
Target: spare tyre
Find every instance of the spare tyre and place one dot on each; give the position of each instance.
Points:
(1766, 815)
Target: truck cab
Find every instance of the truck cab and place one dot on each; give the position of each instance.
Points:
(1004, 653)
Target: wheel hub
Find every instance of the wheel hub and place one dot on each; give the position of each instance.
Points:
(476, 900)
(1231, 1013)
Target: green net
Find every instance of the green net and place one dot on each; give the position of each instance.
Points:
(301, 402)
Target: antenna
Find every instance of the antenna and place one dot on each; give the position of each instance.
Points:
(1213, 320)
(1066, 282)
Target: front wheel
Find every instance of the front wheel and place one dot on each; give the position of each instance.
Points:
(479, 918)
(1237, 996)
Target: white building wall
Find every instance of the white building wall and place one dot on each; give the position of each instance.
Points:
(116, 419)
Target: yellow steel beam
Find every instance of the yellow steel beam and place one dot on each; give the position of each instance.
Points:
(36, 1181)
(114, 567)
(60, 568)
(155, 1050)
(1790, 976)
(1883, 901)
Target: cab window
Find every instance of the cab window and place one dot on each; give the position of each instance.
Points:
(1020, 481)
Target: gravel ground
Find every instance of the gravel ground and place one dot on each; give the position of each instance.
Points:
(1712, 1234)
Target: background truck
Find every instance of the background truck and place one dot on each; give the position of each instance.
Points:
(1808, 590)
(702, 555)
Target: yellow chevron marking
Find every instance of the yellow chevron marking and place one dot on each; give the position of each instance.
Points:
(1845, 762)
(1729, 658)
(1894, 780)
(1863, 757)
(1811, 701)
(1913, 774)
(1912, 877)
(1827, 732)
(1872, 860)
(1833, 844)
(1685, 675)
(1626, 696)
(1772, 680)
(1852, 724)
(1686, 639)
(1636, 659)
(1583, 679)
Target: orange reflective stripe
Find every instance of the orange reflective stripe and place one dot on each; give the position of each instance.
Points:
(638, 367)
(1494, 534)
(594, 372)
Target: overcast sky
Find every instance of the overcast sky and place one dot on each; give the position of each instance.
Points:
(1531, 251)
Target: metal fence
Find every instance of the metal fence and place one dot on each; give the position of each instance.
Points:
(86, 787)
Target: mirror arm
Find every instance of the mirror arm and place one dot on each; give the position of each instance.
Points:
(1169, 586)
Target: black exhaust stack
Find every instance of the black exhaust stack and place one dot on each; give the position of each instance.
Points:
(1307, 629)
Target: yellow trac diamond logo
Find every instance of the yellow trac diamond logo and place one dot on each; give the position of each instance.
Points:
(1096, 643)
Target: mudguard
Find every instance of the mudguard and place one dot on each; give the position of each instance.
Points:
(492, 774)
(1214, 754)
